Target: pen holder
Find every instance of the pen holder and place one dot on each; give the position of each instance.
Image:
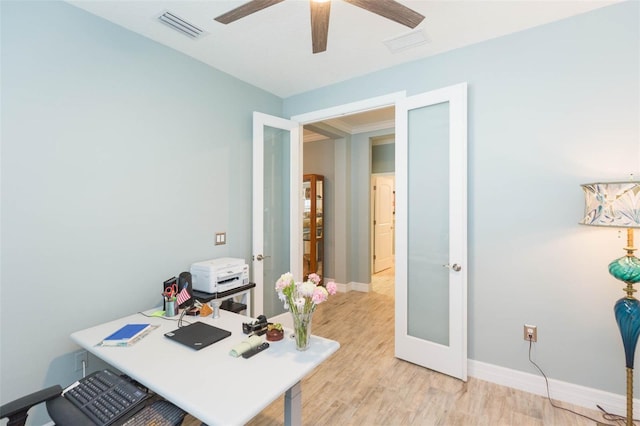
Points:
(171, 308)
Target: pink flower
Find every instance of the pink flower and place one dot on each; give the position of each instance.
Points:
(303, 297)
(315, 278)
(320, 295)
(284, 281)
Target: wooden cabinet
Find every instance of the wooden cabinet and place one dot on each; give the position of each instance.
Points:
(312, 224)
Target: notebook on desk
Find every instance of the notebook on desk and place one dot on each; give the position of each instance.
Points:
(198, 335)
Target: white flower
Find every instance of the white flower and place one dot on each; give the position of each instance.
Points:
(306, 288)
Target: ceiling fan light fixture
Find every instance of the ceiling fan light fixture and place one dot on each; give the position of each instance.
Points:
(406, 41)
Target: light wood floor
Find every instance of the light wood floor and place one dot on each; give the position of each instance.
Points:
(363, 384)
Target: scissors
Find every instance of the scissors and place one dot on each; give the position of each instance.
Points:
(170, 291)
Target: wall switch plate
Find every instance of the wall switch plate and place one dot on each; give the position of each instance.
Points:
(221, 238)
(530, 333)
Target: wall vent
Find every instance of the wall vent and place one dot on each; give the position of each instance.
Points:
(181, 25)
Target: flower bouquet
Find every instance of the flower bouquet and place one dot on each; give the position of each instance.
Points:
(301, 299)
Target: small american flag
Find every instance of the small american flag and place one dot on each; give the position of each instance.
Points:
(183, 296)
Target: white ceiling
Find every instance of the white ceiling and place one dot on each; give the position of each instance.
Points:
(271, 49)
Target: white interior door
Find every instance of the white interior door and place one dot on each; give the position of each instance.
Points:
(383, 222)
(431, 230)
(277, 208)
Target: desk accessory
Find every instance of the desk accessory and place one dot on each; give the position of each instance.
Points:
(126, 335)
(251, 352)
(169, 290)
(259, 326)
(275, 332)
(158, 413)
(185, 290)
(198, 335)
(249, 346)
(205, 310)
(171, 308)
(617, 204)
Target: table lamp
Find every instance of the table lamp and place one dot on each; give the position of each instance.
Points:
(617, 204)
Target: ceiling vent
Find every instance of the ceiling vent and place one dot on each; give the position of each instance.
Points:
(406, 41)
(181, 25)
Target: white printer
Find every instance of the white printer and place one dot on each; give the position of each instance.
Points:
(219, 275)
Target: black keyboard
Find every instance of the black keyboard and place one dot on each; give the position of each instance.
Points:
(159, 413)
(105, 397)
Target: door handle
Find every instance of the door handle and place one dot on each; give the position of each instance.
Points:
(455, 267)
(260, 257)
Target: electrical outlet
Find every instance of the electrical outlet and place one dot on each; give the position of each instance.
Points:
(530, 333)
(81, 356)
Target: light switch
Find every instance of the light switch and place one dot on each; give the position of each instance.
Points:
(221, 238)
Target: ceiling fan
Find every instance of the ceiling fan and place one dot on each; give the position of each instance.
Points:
(320, 9)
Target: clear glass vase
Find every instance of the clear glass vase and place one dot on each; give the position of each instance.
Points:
(302, 329)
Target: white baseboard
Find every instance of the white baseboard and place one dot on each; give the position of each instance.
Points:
(559, 390)
(353, 286)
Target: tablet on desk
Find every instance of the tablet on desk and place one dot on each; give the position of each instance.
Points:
(198, 335)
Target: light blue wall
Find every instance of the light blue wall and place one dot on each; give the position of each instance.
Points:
(383, 158)
(359, 257)
(120, 160)
(549, 108)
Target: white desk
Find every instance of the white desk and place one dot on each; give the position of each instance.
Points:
(210, 384)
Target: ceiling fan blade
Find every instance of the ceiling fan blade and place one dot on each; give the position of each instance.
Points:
(319, 25)
(245, 10)
(390, 9)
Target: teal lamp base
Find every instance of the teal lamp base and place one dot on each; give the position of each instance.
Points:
(627, 312)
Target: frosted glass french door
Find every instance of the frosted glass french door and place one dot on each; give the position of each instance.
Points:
(277, 215)
(431, 226)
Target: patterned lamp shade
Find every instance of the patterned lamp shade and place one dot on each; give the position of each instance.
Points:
(612, 204)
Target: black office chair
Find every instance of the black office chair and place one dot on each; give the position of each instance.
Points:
(61, 411)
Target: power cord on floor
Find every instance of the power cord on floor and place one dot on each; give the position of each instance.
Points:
(620, 420)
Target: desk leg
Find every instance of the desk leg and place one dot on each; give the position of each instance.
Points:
(293, 405)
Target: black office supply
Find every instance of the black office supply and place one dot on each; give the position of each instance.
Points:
(105, 397)
(159, 413)
(251, 352)
(167, 287)
(198, 335)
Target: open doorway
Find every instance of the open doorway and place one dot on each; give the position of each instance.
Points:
(382, 203)
(363, 145)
